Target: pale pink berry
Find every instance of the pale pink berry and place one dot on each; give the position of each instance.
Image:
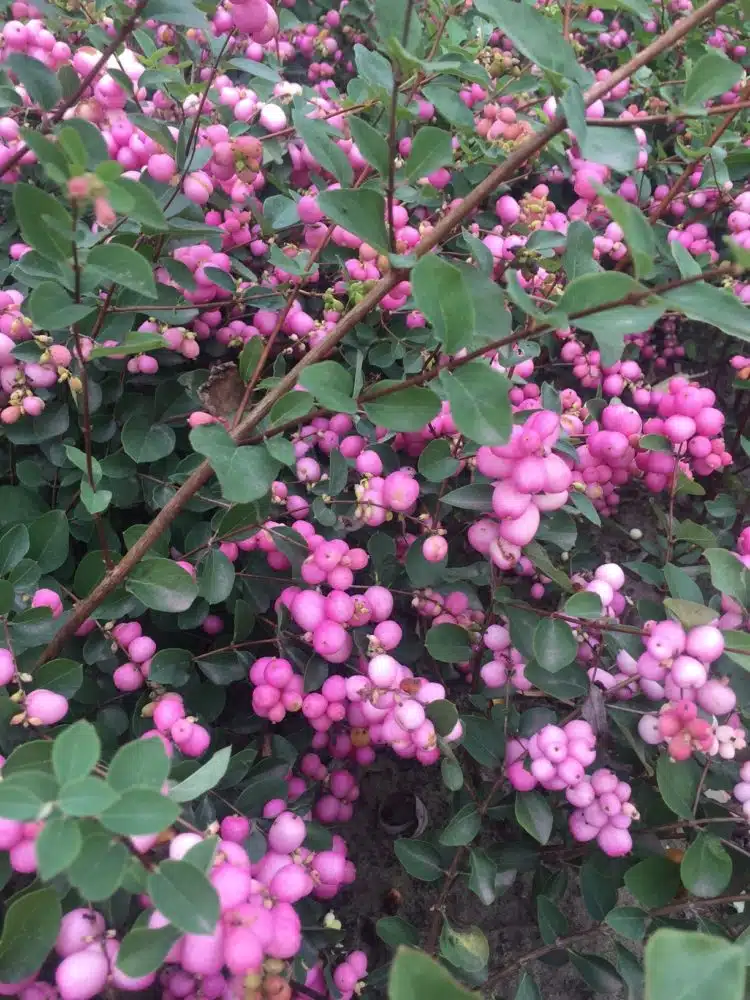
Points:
(45, 708)
(287, 833)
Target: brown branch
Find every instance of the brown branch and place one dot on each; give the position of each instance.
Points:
(671, 118)
(439, 234)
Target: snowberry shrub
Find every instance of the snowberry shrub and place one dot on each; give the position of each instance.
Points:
(361, 397)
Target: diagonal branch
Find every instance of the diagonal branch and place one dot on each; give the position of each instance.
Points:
(440, 233)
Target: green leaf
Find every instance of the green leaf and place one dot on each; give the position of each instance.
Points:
(17, 801)
(706, 867)
(463, 827)
(361, 212)
(41, 84)
(95, 501)
(162, 585)
(393, 22)
(141, 763)
(86, 797)
(51, 308)
(259, 789)
(36, 755)
(715, 306)
(688, 265)
(476, 496)
(684, 965)
(331, 384)
(534, 814)
(601, 877)
(373, 68)
(654, 882)
(292, 406)
(29, 931)
(655, 442)
(596, 972)
(370, 143)
(144, 441)
(483, 740)
(616, 148)
(330, 156)
(215, 577)
(14, 544)
(34, 211)
(139, 811)
(143, 950)
(441, 294)
(449, 104)
(466, 948)
(419, 859)
(134, 343)
(491, 317)
(728, 574)
(176, 12)
(249, 357)
(184, 896)
(610, 325)
(696, 534)
(678, 783)
(415, 975)
(436, 462)
(639, 233)
(738, 648)
(244, 473)
(145, 208)
(408, 409)
(689, 613)
(431, 149)
(485, 880)
(279, 212)
(480, 407)
(584, 605)
(112, 262)
(551, 920)
(75, 752)
(204, 779)
(99, 868)
(448, 643)
(544, 564)
(57, 846)
(681, 584)
(712, 74)
(527, 989)
(555, 645)
(443, 715)
(574, 108)
(202, 854)
(630, 921)
(538, 37)
(451, 773)
(394, 932)
(49, 540)
(578, 257)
